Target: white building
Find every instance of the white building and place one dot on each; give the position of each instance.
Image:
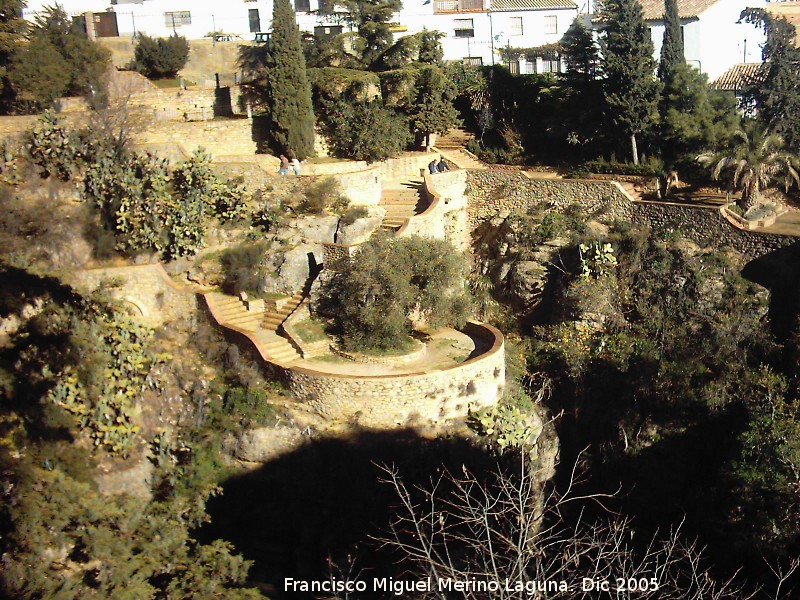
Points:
(474, 29)
(713, 40)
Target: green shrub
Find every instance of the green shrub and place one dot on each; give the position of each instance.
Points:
(249, 406)
(159, 57)
(650, 167)
(244, 268)
(55, 148)
(322, 196)
(151, 207)
(353, 214)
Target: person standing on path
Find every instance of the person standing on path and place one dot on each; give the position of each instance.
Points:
(296, 166)
(284, 168)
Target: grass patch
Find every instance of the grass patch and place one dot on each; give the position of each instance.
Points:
(171, 82)
(403, 347)
(311, 331)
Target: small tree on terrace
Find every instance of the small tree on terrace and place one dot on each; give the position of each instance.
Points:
(432, 110)
(373, 296)
(288, 90)
(631, 88)
(755, 160)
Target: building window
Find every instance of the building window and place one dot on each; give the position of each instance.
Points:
(516, 26)
(464, 28)
(177, 18)
(327, 31)
(302, 5)
(473, 61)
(551, 64)
(254, 19)
(551, 24)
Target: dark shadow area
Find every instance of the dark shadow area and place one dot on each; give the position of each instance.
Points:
(779, 272)
(681, 478)
(326, 501)
(222, 102)
(261, 127)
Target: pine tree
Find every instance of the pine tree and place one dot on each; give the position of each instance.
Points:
(631, 89)
(372, 18)
(672, 48)
(288, 89)
(582, 87)
(776, 93)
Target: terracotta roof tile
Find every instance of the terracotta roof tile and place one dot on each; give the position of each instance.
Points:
(737, 76)
(654, 9)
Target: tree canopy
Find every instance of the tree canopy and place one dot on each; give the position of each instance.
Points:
(373, 296)
(776, 91)
(54, 59)
(160, 57)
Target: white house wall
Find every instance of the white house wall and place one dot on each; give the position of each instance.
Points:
(714, 41)
(726, 42)
(492, 27)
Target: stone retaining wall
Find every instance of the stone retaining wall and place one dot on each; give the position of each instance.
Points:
(408, 399)
(146, 289)
(494, 192)
(218, 137)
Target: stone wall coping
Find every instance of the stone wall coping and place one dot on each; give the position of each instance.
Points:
(488, 331)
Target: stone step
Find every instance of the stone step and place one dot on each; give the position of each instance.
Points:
(235, 310)
(397, 209)
(401, 202)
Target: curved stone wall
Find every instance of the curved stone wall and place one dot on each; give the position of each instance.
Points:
(408, 399)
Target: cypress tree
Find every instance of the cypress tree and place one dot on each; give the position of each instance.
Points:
(288, 89)
(672, 46)
(632, 91)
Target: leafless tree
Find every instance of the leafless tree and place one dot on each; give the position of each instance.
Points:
(508, 537)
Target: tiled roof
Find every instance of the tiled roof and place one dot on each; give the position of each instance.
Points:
(737, 76)
(654, 9)
(531, 4)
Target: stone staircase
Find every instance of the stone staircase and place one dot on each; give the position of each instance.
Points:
(631, 190)
(259, 321)
(451, 146)
(401, 200)
(455, 138)
(461, 158)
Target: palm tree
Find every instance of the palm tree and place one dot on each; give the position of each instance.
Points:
(756, 159)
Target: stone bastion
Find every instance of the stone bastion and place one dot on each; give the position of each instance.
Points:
(413, 398)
